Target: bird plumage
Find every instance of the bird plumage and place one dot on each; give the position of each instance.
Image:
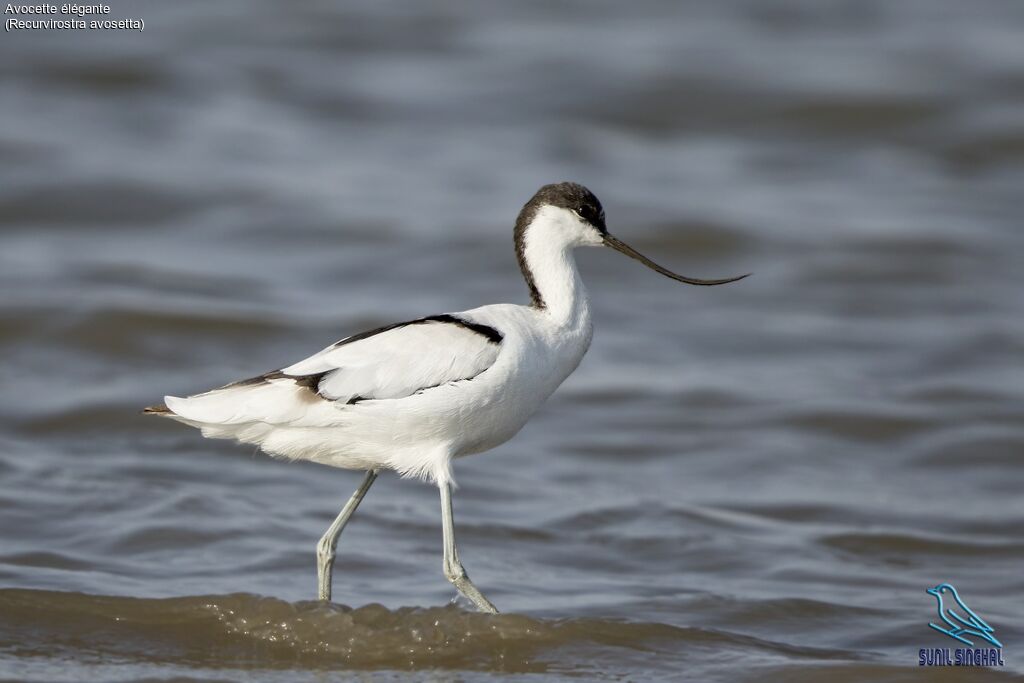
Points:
(407, 397)
(413, 396)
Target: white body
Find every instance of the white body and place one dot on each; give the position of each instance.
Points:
(436, 391)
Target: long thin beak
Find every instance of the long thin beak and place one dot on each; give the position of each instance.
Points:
(620, 246)
(933, 591)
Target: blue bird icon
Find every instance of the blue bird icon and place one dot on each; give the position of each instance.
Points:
(960, 625)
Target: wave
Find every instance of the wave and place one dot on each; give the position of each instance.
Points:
(246, 629)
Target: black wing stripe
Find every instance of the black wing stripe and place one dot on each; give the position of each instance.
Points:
(490, 333)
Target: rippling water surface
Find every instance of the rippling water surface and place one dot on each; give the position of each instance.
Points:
(741, 483)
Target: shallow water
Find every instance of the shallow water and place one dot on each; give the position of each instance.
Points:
(751, 481)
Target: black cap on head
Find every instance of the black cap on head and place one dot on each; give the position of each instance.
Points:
(571, 196)
(574, 197)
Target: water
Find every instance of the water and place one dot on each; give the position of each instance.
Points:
(751, 481)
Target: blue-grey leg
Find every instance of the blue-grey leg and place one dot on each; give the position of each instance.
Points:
(453, 569)
(329, 541)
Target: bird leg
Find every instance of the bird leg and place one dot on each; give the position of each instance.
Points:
(453, 569)
(329, 541)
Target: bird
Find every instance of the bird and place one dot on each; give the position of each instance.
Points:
(959, 626)
(414, 396)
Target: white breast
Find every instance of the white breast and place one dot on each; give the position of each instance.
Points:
(537, 356)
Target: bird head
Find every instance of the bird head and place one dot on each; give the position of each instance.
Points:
(568, 214)
(942, 589)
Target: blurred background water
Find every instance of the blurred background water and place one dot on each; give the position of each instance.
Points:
(755, 480)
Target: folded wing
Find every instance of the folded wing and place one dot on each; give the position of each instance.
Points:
(387, 363)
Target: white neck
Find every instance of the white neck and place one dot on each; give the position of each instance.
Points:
(554, 273)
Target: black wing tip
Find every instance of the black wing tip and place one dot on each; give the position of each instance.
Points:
(159, 409)
(311, 382)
